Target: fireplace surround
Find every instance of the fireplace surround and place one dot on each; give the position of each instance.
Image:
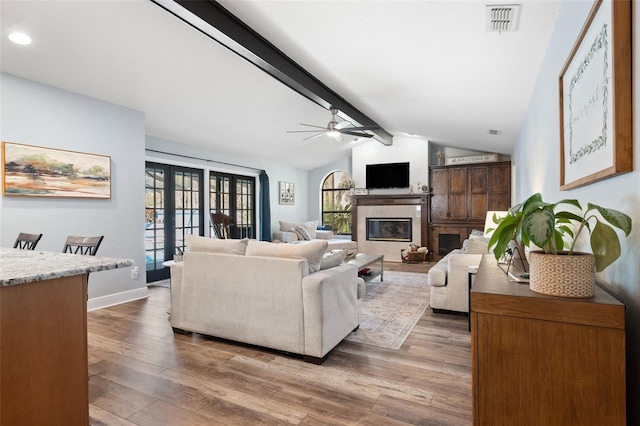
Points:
(388, 208)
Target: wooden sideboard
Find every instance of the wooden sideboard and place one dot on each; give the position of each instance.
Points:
(540, 359)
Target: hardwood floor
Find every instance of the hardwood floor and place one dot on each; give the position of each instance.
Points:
(143, 374)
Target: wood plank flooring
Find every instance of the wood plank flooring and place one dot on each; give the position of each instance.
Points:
(143, 374)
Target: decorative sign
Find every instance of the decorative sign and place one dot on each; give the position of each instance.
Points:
(360, 191)
(469, 159)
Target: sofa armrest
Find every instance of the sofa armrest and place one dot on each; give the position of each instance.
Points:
(285, 236)
(324, 235)
(175, 289)
(330, 300)
(437, 275)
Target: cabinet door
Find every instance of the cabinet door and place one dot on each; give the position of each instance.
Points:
(458, 194)
(478, 192)
(439, 194)
(499, 188)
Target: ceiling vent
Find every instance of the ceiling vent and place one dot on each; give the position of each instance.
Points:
(495, 132)
(503, 17)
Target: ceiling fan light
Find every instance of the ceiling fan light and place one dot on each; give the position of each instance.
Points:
(20, 38)
(332, 130)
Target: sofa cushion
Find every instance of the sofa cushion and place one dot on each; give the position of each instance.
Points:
(333, 258)
(311, 227)
(475, 246)
(312, 251)
(215, 245)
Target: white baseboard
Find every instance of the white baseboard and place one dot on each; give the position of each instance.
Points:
(117, 298)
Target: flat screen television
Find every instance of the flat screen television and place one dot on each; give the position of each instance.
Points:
(387, 175)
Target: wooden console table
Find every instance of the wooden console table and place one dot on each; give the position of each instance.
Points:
(540, 359)
(43, 336)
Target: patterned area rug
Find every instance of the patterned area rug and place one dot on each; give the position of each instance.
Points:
(391, 309)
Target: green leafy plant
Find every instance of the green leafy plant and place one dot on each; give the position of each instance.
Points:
(553, 229)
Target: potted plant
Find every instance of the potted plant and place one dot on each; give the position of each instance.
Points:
(552, 229)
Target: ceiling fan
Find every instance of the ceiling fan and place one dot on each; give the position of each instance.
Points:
(335, 129)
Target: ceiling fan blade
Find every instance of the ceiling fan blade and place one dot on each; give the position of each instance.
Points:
(342, 125)
(314, 136)
(358, 134)
(313, 125)
(306, 131)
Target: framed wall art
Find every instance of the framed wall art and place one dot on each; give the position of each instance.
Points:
(287, 193)
(595, 98)
(36, 171)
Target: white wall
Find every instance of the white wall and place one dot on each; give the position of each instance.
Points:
(41, 115)
(413, 150)
(538, 170)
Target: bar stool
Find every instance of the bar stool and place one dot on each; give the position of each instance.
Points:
(27, 241)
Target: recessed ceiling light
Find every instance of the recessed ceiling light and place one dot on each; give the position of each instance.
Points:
(20, 38)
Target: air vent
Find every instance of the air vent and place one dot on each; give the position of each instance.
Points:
(495, 132)
(503, 17)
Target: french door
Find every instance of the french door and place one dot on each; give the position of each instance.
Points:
(234, 195)
(174, 207)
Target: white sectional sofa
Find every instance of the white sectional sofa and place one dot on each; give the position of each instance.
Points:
(449, 278)
(301, 233)
(266, 294)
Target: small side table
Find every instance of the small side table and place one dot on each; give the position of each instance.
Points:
(472, 271)
(167, 264)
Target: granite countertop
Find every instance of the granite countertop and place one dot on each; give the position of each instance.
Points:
(24, 266)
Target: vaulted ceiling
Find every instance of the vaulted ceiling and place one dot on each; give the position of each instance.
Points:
(429, 69)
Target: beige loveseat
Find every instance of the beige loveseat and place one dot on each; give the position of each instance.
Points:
(301, 233)
(266, 294)
(449, 278)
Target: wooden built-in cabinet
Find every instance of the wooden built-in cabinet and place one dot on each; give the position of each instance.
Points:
(461, 197)
(544, 360)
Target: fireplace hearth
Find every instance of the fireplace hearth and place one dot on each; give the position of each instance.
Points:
(389, 229)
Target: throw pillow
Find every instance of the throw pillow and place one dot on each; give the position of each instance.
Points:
(299, 236)
(312, 251)
(476, 233)
(215, 245)
(335, 258)
(302, 232)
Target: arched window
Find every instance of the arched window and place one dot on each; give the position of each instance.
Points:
(336, 202)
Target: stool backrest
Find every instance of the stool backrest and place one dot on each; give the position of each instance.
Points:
(82, 245)
(27, 241)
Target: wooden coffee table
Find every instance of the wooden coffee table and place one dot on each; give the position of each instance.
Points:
(362, 260)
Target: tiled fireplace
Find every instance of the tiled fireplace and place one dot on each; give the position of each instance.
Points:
(387, 224)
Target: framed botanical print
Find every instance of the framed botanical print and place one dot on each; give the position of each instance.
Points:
(595, 98)
(287, 193)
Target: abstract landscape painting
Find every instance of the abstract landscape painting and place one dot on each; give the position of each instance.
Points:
(47, 172)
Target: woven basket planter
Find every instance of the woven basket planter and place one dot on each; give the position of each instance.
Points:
(563, 275)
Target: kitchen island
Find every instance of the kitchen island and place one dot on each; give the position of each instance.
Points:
(43, 336)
